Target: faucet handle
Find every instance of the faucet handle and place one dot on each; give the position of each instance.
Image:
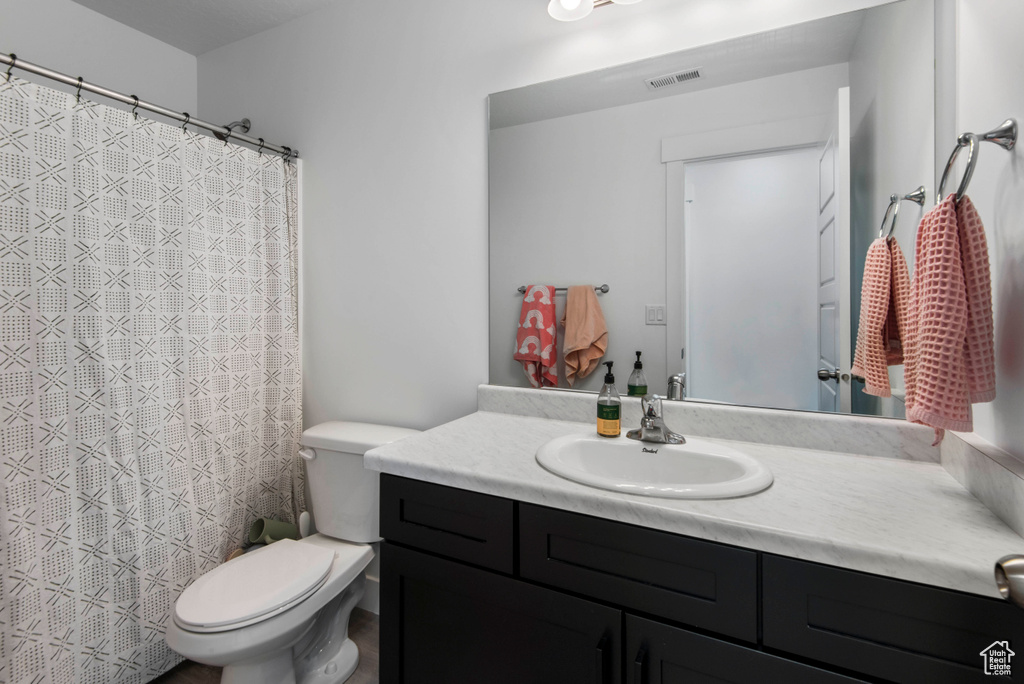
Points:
(651, 405)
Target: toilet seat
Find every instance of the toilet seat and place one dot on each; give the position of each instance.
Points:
(254, 587)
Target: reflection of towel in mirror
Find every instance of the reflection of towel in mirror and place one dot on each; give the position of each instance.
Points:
(951, 360)
(586, 335)
(885, 297)
(536, 336)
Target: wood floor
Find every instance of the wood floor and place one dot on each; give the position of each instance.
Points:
(363, 629)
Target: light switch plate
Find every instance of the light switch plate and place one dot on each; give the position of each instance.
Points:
(655, 314)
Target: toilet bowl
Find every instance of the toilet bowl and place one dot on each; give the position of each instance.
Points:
(301, 639)
(279, 614)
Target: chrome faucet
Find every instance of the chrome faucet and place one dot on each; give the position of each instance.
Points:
(677, 387)
(652, 425)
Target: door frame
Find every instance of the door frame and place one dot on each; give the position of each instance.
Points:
(676, 153)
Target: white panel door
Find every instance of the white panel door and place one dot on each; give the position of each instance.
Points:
(834, 260)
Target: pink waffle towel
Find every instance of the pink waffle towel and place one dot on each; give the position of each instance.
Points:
(951, 360)
(885, 298)
(536, 336)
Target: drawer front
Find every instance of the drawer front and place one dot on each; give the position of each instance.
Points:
(707, 585)
(659, 654)
(470, 527)
(896, 630)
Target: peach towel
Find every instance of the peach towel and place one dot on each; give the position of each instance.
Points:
(885, 298)
(586, 335)
(951, 360)
(537, 335)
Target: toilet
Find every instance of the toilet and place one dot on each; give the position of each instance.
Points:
(280, 614)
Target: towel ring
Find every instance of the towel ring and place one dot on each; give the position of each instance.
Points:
(1005, 135)
(970, 141)
(894, 201)
(917, 196)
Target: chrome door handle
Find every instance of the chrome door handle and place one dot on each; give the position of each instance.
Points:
(825, 374)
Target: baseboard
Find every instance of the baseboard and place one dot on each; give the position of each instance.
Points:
(371, 595)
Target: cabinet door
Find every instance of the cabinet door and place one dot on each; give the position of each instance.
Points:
(443, 622)
(659, 654)
(886, 628)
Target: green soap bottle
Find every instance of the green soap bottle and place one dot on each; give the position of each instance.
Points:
(636, 386)
(609, 406)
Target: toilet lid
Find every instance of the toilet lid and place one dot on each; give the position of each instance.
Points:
(254, 587)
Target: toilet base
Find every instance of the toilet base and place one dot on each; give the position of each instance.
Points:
(280, 669)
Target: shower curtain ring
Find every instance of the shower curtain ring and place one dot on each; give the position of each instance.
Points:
(135, 107)
(287, 153)
(260, 150)
(78, 91)
(14, 58)
(187, 119)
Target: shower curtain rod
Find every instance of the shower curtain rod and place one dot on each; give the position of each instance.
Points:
(13, 62)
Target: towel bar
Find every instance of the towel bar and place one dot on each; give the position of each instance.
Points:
(600, 288)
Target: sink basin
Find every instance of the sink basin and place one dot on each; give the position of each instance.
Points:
(699, 469)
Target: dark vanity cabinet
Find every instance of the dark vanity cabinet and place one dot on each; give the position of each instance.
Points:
(477, 588)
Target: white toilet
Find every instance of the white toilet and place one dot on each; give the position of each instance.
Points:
(279, 614)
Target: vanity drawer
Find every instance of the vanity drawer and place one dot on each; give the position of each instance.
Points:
(883, 627)
(467, 526)
(659, 654)
(693, 582)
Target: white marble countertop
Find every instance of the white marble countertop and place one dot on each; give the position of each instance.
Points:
(904, 519)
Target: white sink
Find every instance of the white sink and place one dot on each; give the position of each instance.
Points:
(699, 469)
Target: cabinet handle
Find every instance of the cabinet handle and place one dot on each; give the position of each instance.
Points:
(638, 666)
(602, 656)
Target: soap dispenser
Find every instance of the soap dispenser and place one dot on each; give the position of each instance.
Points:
(636, 386)
(609, 406)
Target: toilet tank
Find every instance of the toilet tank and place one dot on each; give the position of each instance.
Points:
(345, 495)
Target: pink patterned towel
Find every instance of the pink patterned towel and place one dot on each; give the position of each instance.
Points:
(536, 336)
(951, 361)
(885, 297)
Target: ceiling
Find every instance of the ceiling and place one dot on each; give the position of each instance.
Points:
(198, 26)
(792, 48)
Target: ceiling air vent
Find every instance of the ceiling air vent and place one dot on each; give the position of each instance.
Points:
(672, 79)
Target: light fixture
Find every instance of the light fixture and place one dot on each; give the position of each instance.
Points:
(571, 10)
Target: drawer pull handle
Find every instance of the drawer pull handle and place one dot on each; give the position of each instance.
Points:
(602, 656)
(639, 665)
(1010, 579)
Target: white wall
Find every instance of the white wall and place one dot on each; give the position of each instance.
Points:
(752, 279)
(386, 100)
(892, 101)
(66, 37)
(581, 199)
(989, 60)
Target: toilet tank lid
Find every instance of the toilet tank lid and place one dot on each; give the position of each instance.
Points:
(352, 438)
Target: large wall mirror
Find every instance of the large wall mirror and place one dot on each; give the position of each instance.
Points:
(734, 186)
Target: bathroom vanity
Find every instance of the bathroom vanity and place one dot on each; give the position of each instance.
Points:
(849, 568)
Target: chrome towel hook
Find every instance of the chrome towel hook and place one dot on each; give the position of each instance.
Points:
(1005, 135)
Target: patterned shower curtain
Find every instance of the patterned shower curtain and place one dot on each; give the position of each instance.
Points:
(149, 376)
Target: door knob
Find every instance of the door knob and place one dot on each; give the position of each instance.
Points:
(825, 374)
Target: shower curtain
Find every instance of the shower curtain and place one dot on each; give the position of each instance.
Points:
(149, 376)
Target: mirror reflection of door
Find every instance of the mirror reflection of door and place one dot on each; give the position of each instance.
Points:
(751, 252)
(834, 260)
(760, 229)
